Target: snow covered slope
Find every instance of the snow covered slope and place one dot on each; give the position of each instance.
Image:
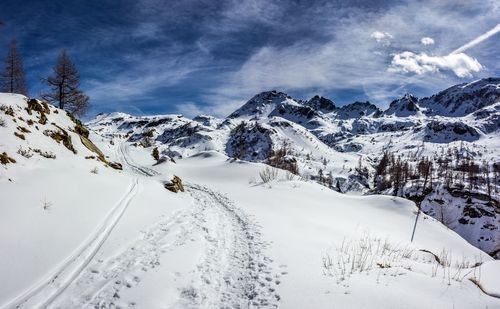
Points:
(79, 233)
(341, 146)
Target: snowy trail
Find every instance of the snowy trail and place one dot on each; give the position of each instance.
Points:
(233, 273)
(45, 291)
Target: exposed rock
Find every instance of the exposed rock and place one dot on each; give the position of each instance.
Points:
(175, 185)
(5, 159)
(115, 165)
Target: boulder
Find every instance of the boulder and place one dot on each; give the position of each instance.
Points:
(115, 165)
(175, 185)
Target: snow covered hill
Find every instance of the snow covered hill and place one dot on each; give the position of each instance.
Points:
(86, 221)
(341, 146)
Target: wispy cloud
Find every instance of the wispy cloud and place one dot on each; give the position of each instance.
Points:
(382, 37)
(478, 40)
(215, 55)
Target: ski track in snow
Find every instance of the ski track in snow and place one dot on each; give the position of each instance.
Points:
(124, 157)
(44, 292)
(100, 284)
(234, 272)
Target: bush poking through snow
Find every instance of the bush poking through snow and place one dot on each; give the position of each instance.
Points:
(2, 122)
(7, 110)
(368, 254)
(45, 154)
(46, 205)
(25, 152)
(268, 174)
(94, 170)
(289, 176)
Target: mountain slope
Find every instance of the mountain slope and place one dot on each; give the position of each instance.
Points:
(340, 147)
(118, 238)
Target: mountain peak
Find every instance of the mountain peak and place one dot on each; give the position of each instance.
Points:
(321, 104)
(406, 106)
(463, 99)
(261, 105)
(358, 109)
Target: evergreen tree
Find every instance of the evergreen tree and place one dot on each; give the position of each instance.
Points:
(64, 87)
(13, 79)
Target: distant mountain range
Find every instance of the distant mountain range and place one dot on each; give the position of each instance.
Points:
(345, 144)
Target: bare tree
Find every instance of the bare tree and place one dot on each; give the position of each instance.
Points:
(64, 87)
(13, 79)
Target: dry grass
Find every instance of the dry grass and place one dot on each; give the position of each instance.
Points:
(367, 253)
(268, 174)
(45, 154)
(46, 205)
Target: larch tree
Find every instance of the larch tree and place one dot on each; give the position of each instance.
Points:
(64, 87)
(13, 79)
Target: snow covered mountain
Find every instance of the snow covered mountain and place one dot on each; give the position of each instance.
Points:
(341, 146)
(86, 221)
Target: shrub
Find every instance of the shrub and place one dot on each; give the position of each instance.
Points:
(2, 122)
(7, 110)
(25, 152)
(94, 170)
(268, 174)
(281, 159)
(46, 205)
(45, 154)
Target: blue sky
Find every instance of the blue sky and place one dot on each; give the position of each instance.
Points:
(192, 57)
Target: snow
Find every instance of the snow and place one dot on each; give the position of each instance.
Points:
(119, 238)
(490, 272)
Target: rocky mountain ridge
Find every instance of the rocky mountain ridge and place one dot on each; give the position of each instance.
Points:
(341, 147)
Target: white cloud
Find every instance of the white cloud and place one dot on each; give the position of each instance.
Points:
(356, 53)
(382, 37)
(427, 41)
(461, 64)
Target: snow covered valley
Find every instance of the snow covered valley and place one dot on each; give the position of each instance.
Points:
(86, 221)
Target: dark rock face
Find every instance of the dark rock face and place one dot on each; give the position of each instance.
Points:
(250, 141)
(357, 110)
(321, 104)
(260, 104)
(445, 132)
(404, 107)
